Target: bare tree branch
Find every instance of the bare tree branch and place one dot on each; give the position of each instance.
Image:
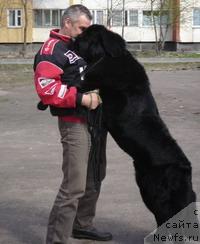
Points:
(166, 15)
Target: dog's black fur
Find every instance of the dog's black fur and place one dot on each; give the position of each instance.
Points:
(163, 172)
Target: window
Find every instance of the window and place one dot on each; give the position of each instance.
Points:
(97, 17)
(131, 18)
(117, 18)
(14, 18)
(148, 20)
(55, 18)
(165, 18)
(47, 17)
(196, 17)
(38, 17)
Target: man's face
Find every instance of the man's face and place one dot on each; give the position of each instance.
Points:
(77, 27)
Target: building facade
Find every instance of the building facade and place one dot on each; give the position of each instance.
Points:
(13, 27)
(32, 21)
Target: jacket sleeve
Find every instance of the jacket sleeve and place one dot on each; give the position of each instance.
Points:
(50, 88)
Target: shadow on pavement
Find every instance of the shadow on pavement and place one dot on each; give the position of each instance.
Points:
(27, 224)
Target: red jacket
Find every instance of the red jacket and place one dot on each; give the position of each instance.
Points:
(57, 72)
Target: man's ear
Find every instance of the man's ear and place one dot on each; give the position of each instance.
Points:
(113, 44)
(67, 22)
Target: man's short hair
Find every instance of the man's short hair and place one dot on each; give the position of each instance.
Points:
(74, 12)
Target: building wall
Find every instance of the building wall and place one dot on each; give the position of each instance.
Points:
(52, 4)
(138, 33)
(185, 32)
(41, 34)
(188, 32)
(15, 34)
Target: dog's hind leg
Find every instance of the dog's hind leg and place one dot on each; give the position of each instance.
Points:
(154, 192)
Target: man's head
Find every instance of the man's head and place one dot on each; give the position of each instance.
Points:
(75, 20)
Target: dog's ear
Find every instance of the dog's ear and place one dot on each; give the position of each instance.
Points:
(113, 43)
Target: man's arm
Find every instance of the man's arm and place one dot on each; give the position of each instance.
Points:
(50, 88)
(52, 92)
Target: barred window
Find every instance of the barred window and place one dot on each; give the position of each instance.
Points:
(131, 18)
(97, 17)
(47, 17)
(196, 17)
(148, 20)
(14, 17)
(117, 18)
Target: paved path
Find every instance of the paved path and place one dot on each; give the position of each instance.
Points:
(16, 61)
(168, 60)
(142, 60)
(30, 163)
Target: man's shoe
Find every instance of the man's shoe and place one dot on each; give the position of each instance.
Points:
(91, 234)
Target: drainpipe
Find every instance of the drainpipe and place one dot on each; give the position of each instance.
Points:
(176, 22)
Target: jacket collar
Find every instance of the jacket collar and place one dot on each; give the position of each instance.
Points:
(55, 34)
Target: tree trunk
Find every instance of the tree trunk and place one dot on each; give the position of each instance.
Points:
(155, 28)
(109, 13)
(25, 29)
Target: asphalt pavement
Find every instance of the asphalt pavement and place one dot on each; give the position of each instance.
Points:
(31, 155)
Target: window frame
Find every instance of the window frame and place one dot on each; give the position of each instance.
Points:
(102, 16)
(113, 15)
(127, 21)
(17, 17)
(143, 15)
(157, 19)
(94, 16)
(43, 23)
(193, 24)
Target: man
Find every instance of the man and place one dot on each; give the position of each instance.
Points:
(57, 71)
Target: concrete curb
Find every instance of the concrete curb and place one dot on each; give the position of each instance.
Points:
(142, 60)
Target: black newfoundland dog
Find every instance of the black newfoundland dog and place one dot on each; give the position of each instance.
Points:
(163, 172)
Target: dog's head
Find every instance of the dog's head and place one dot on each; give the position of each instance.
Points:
(97, 41)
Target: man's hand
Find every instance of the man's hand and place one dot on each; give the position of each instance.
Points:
(91, 100)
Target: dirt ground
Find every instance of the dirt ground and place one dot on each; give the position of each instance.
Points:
(30, 160)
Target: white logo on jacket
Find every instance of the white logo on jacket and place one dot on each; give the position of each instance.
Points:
(45, 81)
(62, 92)
(51, 90)
(72, 57)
